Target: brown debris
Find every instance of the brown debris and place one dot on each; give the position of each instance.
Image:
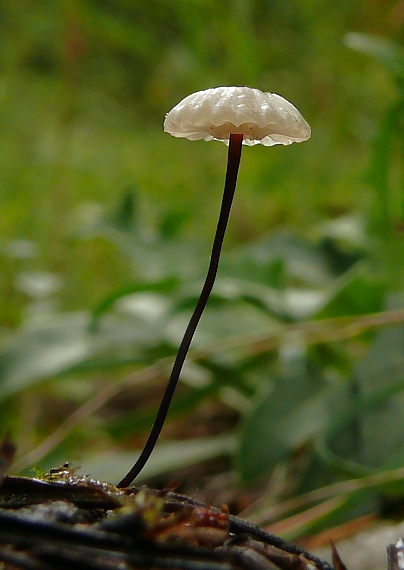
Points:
(64, 520)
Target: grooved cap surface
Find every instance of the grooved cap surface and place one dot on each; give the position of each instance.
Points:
(263, 118)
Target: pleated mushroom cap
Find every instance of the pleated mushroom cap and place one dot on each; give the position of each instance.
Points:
(262, 118)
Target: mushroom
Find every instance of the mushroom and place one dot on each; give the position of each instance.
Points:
(262, 118)
(235, 116)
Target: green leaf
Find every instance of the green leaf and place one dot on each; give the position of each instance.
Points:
(290, 413)
(355, 293)
(43, 350)
(368, 434)
(62, 342)
(373, 450)
(221, 321)
(300, 259)
(164, 286)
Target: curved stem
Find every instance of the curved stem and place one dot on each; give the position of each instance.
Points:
(233, 162)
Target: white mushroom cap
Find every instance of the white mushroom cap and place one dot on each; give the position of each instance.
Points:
(263, 118)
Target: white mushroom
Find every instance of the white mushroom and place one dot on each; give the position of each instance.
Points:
(235, 116)
(262, 118)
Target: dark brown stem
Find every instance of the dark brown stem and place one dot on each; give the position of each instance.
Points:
(233, 163)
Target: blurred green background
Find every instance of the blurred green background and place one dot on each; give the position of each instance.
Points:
(295, 380)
